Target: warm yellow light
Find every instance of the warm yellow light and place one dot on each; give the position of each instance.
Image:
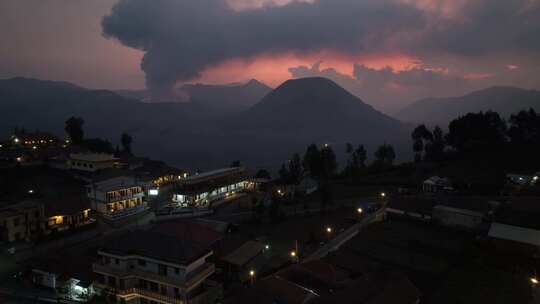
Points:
(328, 229)
(383, 194)
(359, 210)
(34, 147)
(534, 280)
(19, 159)
(293, 253)
(252, 272)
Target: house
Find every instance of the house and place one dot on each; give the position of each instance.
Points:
(418, 207)
(204, 188)
(117, 198)
(437, 184)
(238, 263)
(69, 275)
(21, 221)
(91, 162)
(151, 266)
(516, 228)
(465, 212)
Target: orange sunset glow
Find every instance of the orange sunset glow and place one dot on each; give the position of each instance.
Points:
(274, 69)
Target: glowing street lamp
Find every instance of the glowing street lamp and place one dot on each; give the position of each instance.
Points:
(267, 247)
(359, 210)
(329, 229)
(293, 254)
(252, 275)
(534, 280)
(383, 194)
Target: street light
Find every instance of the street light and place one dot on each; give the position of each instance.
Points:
(252, 275)
(267, 247)
(359, 210)
(329, 229)
(383, 194)
(30, 191)
(534, 280)
(293, 253)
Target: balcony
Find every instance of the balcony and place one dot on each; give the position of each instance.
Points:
(150, 295)
(125, 197)
(124, 213)
(192, 280)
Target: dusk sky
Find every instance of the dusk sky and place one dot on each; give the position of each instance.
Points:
(388, 52)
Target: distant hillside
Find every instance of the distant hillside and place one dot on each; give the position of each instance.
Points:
(504, 100)
(239, 96)
(317, 110)
(317, 104)
(233, 97)
(198, 135)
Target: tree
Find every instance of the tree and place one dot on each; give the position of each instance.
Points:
(422, 140)
(126, 141)
(436, 149)
(328, 162)
(312, 160)
(284, 174)
(262, 173)
(74, 129)
(477, 134)
(295, 169)
(361, 155)
(385, 155)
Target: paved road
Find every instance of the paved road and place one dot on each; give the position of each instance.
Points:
(343, 237)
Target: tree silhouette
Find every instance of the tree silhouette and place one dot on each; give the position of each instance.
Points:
(295, 169)
(74, 129)
(385, 155)
(312, 160)
(126, 141)
(477, 134)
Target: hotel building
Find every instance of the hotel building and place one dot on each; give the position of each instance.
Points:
(143, 267)
(201, 189)
(21, 222)
(117, 198)
(91, 162)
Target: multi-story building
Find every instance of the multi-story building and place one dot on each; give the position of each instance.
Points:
(117, 198)
(201, 189)
(143, 267)
(21, 221)
(91, 162)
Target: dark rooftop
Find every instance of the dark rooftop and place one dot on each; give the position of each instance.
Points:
(520, 211)
(157, 245)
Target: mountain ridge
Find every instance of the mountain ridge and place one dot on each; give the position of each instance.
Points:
(505, 100)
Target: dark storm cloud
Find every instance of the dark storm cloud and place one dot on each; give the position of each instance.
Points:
(181, 38)
(389, 90)
(485, 26)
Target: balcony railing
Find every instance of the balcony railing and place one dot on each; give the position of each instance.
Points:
(191, 281)
(125, 197)
(151, 295)
(124, 213)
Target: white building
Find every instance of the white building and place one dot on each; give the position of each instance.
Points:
(436, 184)
(204, 188)
(117, 198)
(456, 217)
(91, 162)
(151, 267)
